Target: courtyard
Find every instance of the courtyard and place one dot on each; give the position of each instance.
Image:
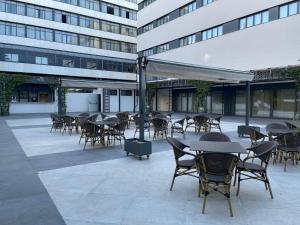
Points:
(49, 177)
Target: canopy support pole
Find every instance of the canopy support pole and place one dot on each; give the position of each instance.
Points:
(142, 93)
(247, 103)
(59, 99)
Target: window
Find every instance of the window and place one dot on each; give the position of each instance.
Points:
(110, 27)
(284, 103)
(91, 65)
(66, 38)
(163, 48)
(261, 103)
(163, 20)
(126, 93)
(12, 7)
(249, 21)
(148, 27)
(129, 31)
(211, 33)
(39, 12)
(112, 66)
(68, 63)
(39, 33)
(148, 52)
(110, 45)
(253, 20)
(113, 92)
(188, 40)
(288, 10)
(10, 57)
(41, 60)
(206, 2)
(187, 9)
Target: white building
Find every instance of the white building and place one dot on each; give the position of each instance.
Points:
(233, 34)
(94, 39)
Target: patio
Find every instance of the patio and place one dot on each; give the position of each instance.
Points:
(102, 186)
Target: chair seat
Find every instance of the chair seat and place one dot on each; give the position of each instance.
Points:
(187, 163)
(289, 149)
(251, 166)
(216, 179)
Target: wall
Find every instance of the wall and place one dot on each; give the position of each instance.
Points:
(16, 108)
(81, 102)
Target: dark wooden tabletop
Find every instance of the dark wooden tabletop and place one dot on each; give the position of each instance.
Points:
(214, 146)
(104, 122)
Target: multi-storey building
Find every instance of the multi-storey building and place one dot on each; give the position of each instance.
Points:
(92, 39)
(234, 34)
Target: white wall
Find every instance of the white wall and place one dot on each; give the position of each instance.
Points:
(114, 103)
(127, 103)
(274, 44)
(81, 102)
(27, 107)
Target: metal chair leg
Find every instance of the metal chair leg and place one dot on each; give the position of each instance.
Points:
(173, 180)
(238, 188)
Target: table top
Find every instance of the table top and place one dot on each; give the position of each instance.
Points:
(214, 146)
(275, 131)
(104, 122)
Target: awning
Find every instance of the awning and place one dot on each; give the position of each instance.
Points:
(169, 69)
(93, 84)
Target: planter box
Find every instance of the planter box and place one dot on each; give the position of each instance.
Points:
(137, 147)
(242, 130)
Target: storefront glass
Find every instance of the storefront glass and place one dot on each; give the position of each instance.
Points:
(217, 103)
(284, 103)
(240, 103)
(261, 104)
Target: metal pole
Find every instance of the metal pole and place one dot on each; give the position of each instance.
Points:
(142, 91)
(247, 103)
(59, 99)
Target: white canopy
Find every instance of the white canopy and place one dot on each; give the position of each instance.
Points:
(169, 69)
(93, 84)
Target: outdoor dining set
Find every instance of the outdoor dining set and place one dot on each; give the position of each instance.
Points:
(213, 159)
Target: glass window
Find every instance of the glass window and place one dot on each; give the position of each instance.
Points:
(283, 11)
(217, 103)
(33, 96)
(293, 8)
(257, 19)
(10, 57)
(91, 65)
(261, 103)
(265, 17)
(23, 95)
(284, 103)
(242, 23)
(204, 35)
(113, 92)
(112, 66)
(126, 93)
(240, 103)
(249, 21)
(41, 60)
(68, 63)
(220, 30)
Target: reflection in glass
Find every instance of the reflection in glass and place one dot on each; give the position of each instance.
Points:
(217, 103)
(240, 103)
(284, 102)
(261, 103)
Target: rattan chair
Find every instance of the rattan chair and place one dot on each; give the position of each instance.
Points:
(215, 123)
(93, 133)
(137, 125)
(183, 166)
(215, 136)
(289, 147)
(178, 127)
(201, 122)
(123, 117)
(117, 132)
(275, 126)
(57, 122)
(291, 126)
(258, 171)
(69, 124)
(189, 122)
(215, 172)
(160, 127)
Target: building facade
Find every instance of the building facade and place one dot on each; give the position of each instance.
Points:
(256, 36)
(90, 39)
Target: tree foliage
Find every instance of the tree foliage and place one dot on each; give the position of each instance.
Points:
(202, 88)
(8, 83)
(150, 91)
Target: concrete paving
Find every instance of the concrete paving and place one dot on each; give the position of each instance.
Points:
(101, 186)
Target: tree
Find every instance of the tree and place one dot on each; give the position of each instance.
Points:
(150, 92)
(8, 83)
(202, 88)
